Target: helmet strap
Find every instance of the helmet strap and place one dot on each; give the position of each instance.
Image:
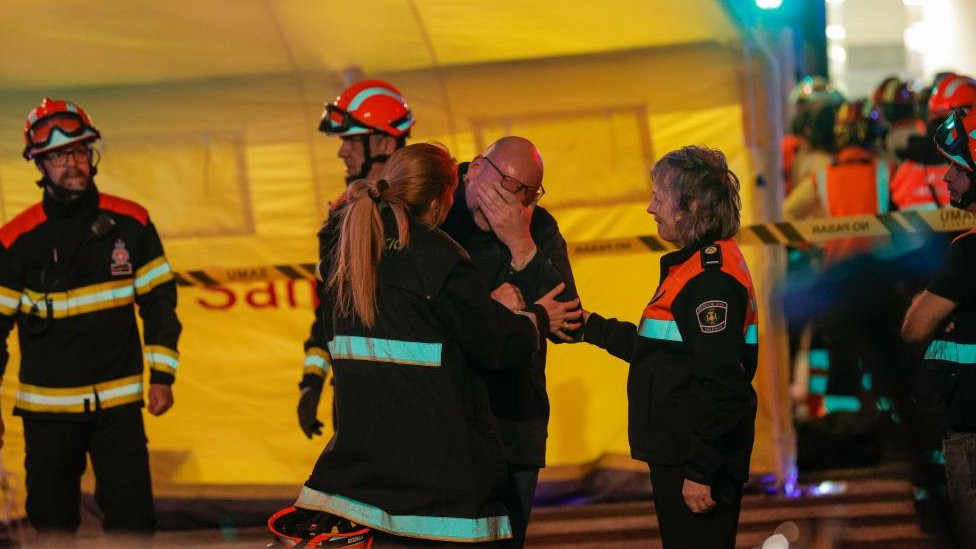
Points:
(368, 159)
(969, 196)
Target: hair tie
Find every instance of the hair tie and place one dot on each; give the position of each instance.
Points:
(381, 186)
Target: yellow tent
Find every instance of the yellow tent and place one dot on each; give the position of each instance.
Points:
(209, 109)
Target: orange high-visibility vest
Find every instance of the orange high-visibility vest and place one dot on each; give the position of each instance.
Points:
(855, 184)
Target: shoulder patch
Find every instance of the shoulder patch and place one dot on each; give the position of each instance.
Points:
(712, 316)
(23, 223)
(711, 256)
(124, 207)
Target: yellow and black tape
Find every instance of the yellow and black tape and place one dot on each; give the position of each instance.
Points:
(216, 276)
(794, 233)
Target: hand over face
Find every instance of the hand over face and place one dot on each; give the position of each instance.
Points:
(508, 217)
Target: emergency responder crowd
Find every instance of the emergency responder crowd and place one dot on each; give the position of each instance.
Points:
(440, 286)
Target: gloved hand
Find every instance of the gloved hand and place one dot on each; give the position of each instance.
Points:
(308, 406)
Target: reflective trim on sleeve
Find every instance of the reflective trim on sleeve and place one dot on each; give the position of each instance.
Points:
(153, 274)
(666, 330)
(161, 358)
(752, 334)
(9, 301)
(386, 350)
(456, 529)
(950, 351)
(317, 361)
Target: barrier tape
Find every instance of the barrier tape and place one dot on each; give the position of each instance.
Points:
(794, 233)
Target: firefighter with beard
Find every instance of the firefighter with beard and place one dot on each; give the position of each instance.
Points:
(71, 269)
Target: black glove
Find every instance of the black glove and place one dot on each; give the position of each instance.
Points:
(308, 406)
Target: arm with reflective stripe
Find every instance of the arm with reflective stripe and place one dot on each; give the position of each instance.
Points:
(10, 286)
(156, 298)
(711, 313)
(318, 360)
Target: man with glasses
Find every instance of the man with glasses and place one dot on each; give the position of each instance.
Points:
(517, 247)
(373, 120)
(71, 269)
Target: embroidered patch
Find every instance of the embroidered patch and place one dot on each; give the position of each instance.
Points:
(712, 316)
(120, 260)
(711, 256)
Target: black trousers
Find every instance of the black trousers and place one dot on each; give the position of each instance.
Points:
(55, 460)
(522, 480)
(680, 527)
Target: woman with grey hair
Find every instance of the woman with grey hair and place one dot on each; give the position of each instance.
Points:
(693, 355)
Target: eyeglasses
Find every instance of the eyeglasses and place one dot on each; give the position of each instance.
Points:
(513, 185)
(59, 157)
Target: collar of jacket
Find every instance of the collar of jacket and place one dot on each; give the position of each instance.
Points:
(459, 223)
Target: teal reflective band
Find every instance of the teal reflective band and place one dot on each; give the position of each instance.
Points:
(155, 273)
(385, 350)
(457, 529)
(666, 330)
(752, 334)
(366, 94)
(316, 361)
(818, 384)
(819, 358)
(949, 351)
(881, 176)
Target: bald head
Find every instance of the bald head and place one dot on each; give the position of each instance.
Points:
(517, 157)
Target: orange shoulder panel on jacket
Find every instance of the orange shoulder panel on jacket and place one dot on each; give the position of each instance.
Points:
(124, 207)
(23, 223)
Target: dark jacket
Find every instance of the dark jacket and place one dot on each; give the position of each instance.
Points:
(417, 452)
(69, 276)
(949, 376)
(692, 361)
(518, 397)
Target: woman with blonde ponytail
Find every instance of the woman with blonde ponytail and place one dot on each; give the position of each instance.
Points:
(417, 461)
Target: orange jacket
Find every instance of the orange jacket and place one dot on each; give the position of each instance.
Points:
(918, 186)
(855, 184)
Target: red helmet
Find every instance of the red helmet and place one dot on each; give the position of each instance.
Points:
(952, 92)
(54, 124)
(892, 91)
(956, 139)
(857, 123)
(370, 106)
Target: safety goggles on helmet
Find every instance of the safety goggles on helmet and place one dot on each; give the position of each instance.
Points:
(956, 141)
(338, 121)
(55, 131)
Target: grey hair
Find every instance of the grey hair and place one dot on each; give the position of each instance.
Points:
(705, 190)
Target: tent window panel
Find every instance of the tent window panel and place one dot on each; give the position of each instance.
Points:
(598, 156)
(191, 185)
(17, 189)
